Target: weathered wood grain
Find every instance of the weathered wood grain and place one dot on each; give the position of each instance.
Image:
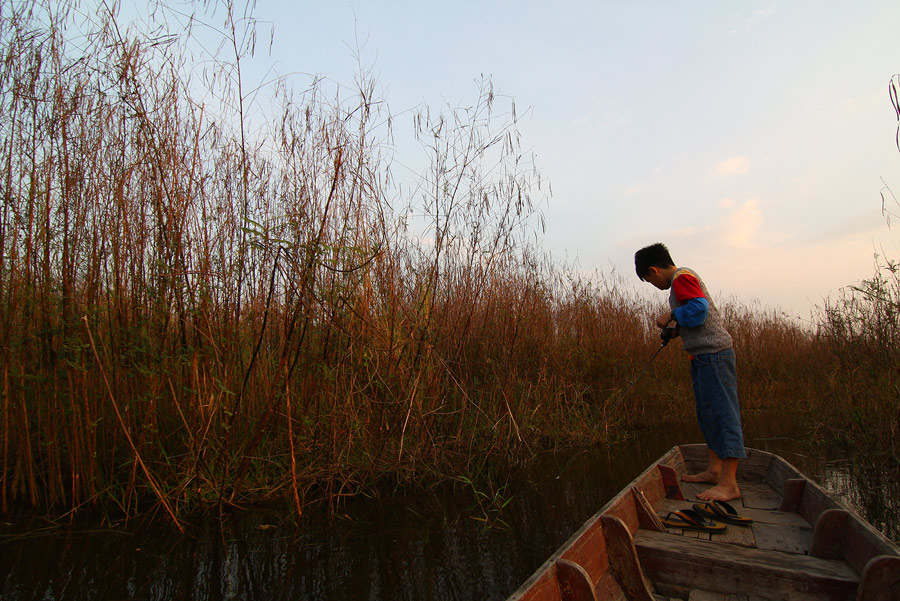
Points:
(755, 466)
(542, 586)
(840, 533)
(737, 535)
(828, 534)
(671, 481)
(646, 516)
(675, 459)
(698, 595)
(792, 493)
(691, 489)
(623, 560)
(730, 568)
(780, 537)
(574, 582)
(625, 508)
(815, 500)
(780, 471)
(695, 453)
(608, 588)
(672, 592)
(759, 496)
(862, 542)
(768, 516)
(652, 487)
(806, 497)
(880, 579)
(589, 550)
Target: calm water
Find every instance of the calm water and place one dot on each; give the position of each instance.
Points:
(418, 546)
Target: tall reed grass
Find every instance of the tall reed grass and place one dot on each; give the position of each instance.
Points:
(193, 313)
(862, 330)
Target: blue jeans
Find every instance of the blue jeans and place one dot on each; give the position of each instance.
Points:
(714, 376)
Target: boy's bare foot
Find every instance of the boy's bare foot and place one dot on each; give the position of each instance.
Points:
(708, 477)
(721, 492)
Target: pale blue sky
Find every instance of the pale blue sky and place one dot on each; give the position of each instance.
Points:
(751, 137)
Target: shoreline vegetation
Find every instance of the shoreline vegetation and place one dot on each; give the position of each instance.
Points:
(196, 313)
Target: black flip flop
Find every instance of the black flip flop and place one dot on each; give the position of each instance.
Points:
(688, 519)
(721, 511)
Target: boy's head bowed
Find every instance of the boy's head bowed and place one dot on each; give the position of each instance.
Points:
(655, 255)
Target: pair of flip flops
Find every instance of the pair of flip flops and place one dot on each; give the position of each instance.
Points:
(690, 519)
(721, 511)
(705, 517)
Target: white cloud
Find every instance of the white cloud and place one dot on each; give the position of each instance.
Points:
(740, 230)
(686, 232)
(752, 19)
(733, 166)
(583, 120)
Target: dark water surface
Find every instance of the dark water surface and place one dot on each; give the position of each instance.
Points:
(418, 546)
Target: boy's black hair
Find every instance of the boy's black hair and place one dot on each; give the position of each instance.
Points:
(655, 255)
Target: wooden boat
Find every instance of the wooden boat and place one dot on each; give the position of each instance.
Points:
(803, 544)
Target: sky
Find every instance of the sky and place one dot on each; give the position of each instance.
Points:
(753, 138)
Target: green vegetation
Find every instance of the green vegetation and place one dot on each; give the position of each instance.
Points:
(863, 330)
(193, 313)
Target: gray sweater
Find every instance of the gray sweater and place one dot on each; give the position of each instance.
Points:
(710, 336)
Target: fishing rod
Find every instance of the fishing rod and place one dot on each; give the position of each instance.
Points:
(666, 335)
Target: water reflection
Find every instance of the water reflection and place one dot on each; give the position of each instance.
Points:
(417, 546)
(873, 493)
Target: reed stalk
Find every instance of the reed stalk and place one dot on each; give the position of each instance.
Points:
(274, 312)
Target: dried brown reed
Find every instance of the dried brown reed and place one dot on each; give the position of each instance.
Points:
(191, 314)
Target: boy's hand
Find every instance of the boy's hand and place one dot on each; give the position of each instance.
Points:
(668, 334)
(664, 319)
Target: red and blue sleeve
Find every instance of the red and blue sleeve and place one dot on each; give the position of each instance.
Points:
(694, 306)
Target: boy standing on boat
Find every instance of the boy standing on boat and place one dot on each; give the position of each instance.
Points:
(713, 370)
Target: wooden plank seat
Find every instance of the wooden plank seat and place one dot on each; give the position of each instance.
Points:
(722, 567)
